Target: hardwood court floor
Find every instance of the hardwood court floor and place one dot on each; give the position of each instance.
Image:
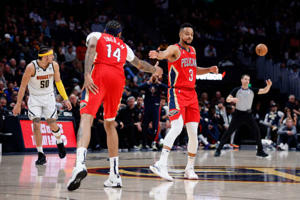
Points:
(235, 175)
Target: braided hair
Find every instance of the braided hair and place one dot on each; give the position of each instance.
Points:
(113, 28)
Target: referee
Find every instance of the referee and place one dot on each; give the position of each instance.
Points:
(243, 97)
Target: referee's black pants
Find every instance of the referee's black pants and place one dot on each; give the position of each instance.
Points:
(239, 118)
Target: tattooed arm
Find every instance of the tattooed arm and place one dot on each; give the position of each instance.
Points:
(88, 63)
(146, 67)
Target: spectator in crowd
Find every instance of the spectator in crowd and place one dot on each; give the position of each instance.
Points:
(272, 122)
(80, 51)
(210, 51)
(164, 124)
(287, 135)
(70, 55)
(2, 89)
(291, 104)
(153, 90)
(2, 78)
(127, 117)
(9, 91)
(139, 107)
(288, 114)
(75, 109)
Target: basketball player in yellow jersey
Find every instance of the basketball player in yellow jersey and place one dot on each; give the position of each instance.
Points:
(39, 76)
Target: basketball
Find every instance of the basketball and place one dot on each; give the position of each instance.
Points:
(261, 49)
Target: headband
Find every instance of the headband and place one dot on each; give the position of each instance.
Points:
(46, 54)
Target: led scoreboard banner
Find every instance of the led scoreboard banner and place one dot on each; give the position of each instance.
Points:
(49, 140)
(22, 134)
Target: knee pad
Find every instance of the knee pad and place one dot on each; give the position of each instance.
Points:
(192, 130)
(175, 130)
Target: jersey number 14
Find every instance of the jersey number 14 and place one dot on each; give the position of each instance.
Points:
(116, 53)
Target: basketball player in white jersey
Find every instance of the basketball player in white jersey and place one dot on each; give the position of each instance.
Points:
(39, 75)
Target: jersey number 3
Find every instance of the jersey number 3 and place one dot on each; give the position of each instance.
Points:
(44, 83)
(116, 53)
(191, 77)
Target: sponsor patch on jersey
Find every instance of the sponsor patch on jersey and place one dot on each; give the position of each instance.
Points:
(173, 113)
(44, 77)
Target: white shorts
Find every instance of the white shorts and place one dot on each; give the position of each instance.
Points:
(42, 106)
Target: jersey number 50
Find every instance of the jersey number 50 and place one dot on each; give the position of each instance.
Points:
(44, 83)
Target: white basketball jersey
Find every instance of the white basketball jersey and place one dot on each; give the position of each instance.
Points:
(42, 82)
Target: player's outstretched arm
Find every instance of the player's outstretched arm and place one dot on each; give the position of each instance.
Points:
(172, 53)
(29, 71)
(147, 67)
(212, 69)
(88, 63)
(267, 88)
(60, 86)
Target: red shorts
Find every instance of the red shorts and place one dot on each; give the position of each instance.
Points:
(110, 85)
(183, 102)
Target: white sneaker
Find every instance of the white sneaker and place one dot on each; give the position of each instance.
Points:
(78, 174)
(286, 147)
(153, 146)
(161, 170)
(114, 181)
(190, 174)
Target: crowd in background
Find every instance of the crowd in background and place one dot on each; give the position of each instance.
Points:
(226, 37)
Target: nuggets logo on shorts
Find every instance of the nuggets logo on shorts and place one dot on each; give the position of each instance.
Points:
(173, 113)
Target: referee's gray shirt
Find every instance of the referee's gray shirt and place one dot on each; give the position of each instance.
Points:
(245, 97)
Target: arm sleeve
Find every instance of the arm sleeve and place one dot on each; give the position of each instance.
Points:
(234, 91)
(130, 54)
(93, 34)
(61, 89)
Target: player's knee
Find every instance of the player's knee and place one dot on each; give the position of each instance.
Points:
(51, 121)
(177, 124)
(109, 124)
(36, 125)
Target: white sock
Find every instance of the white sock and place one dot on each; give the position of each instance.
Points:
(114, 165)
(164, 156)
(80, 156)
(190, 162)
(40, 149)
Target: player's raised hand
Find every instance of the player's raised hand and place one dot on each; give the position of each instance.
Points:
(214, 69)
(90, 85)
(159, 72)
(153, 54)
(17, 109)
(269, 82)
(67, 104)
